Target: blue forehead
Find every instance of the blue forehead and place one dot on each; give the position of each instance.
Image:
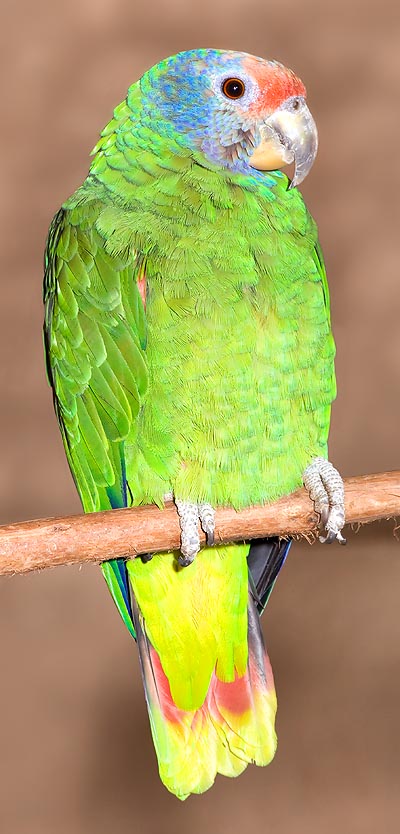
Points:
(195, 61)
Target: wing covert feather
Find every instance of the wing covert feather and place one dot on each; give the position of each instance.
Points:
(95, 336)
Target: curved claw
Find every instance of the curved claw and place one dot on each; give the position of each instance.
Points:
(329, 538)
(146, 557)
(332, 536)
(210, 536)
(185, 561)
(323, 517)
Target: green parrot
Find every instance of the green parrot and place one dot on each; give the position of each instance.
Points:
(189, 348)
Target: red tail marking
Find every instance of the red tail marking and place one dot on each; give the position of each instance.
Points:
(234, 696)
(168, 708)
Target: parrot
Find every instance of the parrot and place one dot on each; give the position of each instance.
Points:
(189, 348)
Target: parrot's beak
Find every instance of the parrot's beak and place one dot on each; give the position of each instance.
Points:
(288, 135)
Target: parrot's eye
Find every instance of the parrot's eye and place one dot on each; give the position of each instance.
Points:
(233, 88)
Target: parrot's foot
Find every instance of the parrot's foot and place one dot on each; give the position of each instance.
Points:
(189, 515)
(326, 489)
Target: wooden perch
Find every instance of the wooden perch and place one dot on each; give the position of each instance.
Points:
(96, 537)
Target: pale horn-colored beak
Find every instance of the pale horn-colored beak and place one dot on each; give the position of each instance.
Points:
(288, 135)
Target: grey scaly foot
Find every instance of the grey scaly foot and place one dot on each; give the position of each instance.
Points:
(326, 489)
(189, 515)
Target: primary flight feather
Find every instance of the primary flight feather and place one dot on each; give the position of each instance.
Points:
(189, 348)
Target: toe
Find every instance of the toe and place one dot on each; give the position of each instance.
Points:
(190, 537)
(326, 490)
(207, 521)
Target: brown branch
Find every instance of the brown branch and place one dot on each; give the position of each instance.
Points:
(99, 536)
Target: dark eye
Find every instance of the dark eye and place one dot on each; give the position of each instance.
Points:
(233, 88)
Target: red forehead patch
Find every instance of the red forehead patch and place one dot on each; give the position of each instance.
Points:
(276, 83)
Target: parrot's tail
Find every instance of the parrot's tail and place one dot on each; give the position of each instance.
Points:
(233, 727)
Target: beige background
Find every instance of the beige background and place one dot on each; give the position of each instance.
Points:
(75, 749)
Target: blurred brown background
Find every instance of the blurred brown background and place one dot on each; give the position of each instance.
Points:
(75, 748)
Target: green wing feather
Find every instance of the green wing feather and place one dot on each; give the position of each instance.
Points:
(95, 338)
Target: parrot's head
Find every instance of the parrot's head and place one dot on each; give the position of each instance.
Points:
(241, 112)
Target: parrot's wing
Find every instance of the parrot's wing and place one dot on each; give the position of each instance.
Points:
(95, 338)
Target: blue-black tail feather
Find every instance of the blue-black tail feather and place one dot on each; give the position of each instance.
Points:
(265, 559)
